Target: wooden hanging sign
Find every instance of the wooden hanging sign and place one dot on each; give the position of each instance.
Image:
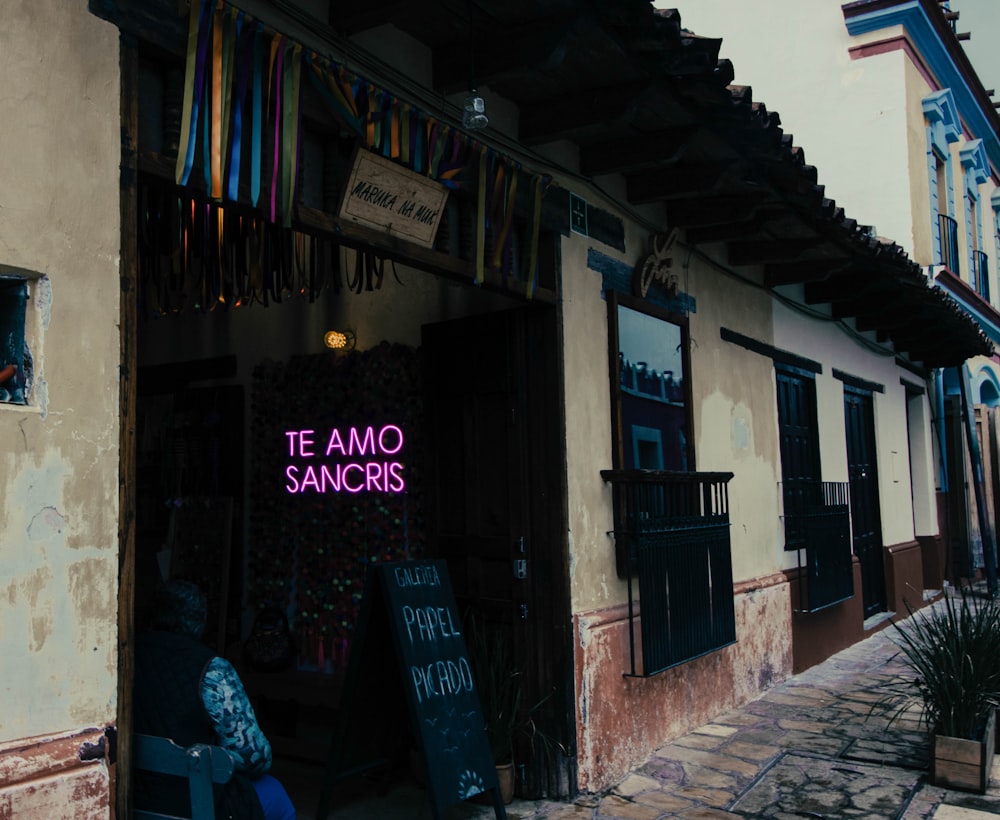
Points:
(384, 195)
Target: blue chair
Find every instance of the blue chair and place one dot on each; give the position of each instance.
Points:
(201, 765)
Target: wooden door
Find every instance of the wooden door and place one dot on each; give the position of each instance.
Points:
(799, 440)
(496, 501)
(866, 518)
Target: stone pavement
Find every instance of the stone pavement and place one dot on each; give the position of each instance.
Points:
(810, 747)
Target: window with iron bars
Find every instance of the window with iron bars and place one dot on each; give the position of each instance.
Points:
(819, 527)
(672, 542)
(816, 514)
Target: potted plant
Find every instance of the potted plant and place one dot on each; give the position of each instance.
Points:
(500, 687)
(954, 650)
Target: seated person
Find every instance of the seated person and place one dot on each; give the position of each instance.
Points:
(185, 692)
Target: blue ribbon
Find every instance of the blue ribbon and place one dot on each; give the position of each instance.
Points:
(246, 43)
(258, 91)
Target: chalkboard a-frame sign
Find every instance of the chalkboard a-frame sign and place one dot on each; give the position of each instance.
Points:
(413, 601)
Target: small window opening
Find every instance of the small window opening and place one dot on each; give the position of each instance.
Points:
(15, 358)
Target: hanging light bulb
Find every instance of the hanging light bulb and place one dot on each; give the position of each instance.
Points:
(339, 340)
(474, 111)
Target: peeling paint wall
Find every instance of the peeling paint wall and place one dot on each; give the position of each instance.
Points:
(621, 721)
(55, 777)
(59, 220)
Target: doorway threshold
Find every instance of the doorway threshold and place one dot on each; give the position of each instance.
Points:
(877, 620)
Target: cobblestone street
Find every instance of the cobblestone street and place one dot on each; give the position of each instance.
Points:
(811, 747)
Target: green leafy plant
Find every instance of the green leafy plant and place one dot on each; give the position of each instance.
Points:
(499, 686)
(501, 693)
(954, 650)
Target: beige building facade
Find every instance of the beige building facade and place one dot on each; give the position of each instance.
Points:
(59, 560)
(632, 374)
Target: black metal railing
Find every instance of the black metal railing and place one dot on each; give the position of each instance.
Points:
(948, 236)
(672, 544)
(981, 274)
(821, 530)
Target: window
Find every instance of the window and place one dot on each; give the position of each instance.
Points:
(671, 524)
(941, 202)
(15, 367)
(816, 512)
(975, 171)
(942, 130)
(650, 390)
(979, 267)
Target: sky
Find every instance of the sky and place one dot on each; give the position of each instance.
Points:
(979, 17)
(982, 19)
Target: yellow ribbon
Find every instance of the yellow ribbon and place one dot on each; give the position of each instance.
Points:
(192, 59)
(216, 160)
(508, 220)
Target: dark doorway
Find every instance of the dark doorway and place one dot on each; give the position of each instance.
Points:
(866, 518)
(495, 441)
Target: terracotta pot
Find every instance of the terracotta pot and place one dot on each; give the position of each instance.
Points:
(505, 776)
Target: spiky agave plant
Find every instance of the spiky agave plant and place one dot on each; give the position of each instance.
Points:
(954, 650)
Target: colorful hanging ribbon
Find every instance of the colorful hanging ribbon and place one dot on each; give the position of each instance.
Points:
(480, 244)
(530, 266)
(245, 59)
(198, 28)
(290, 132)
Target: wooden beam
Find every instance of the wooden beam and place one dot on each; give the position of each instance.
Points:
(562, 117)
(841, 288)
(890, 319)
(352, 18)
(858, 305)
(635, 152)
(777, 274)
(540, 45)
(727, 232)
(713, 210)
(675, 182)
(759, 251)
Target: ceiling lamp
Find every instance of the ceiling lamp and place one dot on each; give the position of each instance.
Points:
(474, 111)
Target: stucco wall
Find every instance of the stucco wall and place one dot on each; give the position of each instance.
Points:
(923, 248)
(59, 218)
(622, 720)
(848, 114)
(835, 347)
(736, 417)
(594, 582)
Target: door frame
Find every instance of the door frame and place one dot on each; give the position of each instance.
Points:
(543, 641)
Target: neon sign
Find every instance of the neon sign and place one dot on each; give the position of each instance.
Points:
(354, 461)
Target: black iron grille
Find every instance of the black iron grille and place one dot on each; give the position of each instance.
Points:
(826, 573)
(672, 540)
